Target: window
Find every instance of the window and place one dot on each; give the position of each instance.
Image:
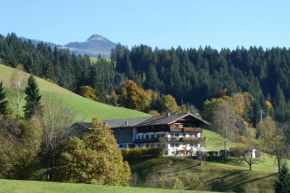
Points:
(147, 136)
(171, 145)
(176, 134)
(152, 136)
(130, 145)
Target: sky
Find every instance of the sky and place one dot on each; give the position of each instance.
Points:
(156, 23)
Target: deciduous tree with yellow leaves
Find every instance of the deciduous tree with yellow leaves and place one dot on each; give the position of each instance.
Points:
(94, 159)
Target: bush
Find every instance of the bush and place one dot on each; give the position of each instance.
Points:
(142, 152)
(170, 182)
(155, 180)
(195, 183)
(155, 151)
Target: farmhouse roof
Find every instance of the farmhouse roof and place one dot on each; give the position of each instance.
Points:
(167, 120)
(144, 121)
(117, 123)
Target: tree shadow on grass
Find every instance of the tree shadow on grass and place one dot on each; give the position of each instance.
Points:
(226, 176)
(181, 169)
(235, 187)
(235, 181)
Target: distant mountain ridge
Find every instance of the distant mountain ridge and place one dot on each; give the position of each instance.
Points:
(93, 46)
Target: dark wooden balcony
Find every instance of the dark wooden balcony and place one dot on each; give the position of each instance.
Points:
(176, 129)
(186, 139)
(146, 140)
(192, 129)
(186, 129)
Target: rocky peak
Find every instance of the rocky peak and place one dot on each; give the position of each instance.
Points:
(96, 37)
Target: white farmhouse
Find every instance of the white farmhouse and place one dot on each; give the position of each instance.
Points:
(179, 134)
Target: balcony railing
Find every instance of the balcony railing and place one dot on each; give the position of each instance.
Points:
(192, 129)
(146, 140)
(186, 139)
(186, 129)
(176, 129)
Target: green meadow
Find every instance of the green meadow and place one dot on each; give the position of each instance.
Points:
(15, 186)
(84, 109)
(218, 174)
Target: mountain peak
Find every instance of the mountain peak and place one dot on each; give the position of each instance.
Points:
(94, 46)
(96, 37)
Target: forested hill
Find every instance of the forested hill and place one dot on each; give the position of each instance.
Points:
(194, 75)
(191, 75)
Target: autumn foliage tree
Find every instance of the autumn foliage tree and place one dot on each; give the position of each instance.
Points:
(273, 139)
(131, 96)
(238, 100)
(112, 100)
(244, 147)
(19, 146)
(88, 92)
(18, 81)
(224, 123)
(95, 158)
(169, 103)
(210, 107)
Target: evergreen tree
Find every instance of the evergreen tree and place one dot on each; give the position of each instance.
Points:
(96, 83)
(100, 91)
(3, 102)
(282, 184)
(152, 81)
(280, 104)
(32, 97)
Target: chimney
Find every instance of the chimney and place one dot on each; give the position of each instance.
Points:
(168, 114)
(126, 123)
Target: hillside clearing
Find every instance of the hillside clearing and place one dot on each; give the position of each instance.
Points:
(85, 109)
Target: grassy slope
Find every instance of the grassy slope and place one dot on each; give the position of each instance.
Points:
(15, 186)
(85, 109)
(214, 141)
(219, 175)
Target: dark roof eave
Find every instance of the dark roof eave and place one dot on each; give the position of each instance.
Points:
(205, 122)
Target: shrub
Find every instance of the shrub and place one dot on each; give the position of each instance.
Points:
(155, 180)
(155, 151)
(170, 182)
(195, 183)
(136, 152)
(142, 152)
